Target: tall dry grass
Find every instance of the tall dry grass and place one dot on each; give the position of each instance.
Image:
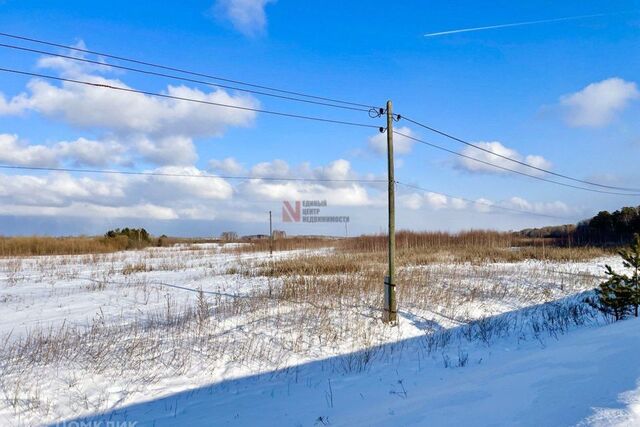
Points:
(417, 248)
(424, 240)
(37, 245)
(81, 245)
(285, 244)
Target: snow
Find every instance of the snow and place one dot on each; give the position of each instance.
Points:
(583, 373)
(564, 382)
(53, 290)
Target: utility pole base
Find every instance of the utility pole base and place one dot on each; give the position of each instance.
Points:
(390, 304)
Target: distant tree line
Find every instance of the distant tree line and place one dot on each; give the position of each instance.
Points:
(604, 229)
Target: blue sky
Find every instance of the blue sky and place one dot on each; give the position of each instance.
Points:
(524, 89)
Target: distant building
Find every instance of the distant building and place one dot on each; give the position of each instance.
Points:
(279, 234)
(255, 237)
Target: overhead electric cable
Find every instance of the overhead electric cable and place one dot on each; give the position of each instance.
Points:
(181, 98)
(438, 147)
(181, 70)
(511, 159)
(185, 175)
(186, 79)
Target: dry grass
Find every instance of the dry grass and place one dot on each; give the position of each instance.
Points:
(42, 245)
(285, 244)
(428, 240)
(426, 248)
(342, 262)
(36, 245)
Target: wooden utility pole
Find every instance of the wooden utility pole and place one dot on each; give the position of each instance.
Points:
(270, 236)
(390, 304)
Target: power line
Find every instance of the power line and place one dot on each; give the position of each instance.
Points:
(511, 159)
(481, 202)
(184, 71)
(181, 98)
(184, 175)
(186, 79)
(438, 147)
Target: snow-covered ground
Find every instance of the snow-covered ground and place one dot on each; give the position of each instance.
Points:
(121, 335)
(590, 376)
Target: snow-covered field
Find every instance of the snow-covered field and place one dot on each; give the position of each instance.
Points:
(130, 337)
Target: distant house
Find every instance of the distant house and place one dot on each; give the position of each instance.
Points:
(279, 234)
(255, 237)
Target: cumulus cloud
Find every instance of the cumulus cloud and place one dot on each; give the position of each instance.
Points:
(598, 104)
(336, 193)
(85, 152)
(56, 190)
(547, 208)
(175, 197)
(85, 210)
(434, 201)
(401, 144)
(498, 148)
(246, 16)
(338, 169)
(161, 129)
(130, 113)
(81, 152)
(13, 106)
(437, 201)
(16, 152)
(226, 166)
(70, 68)
(277, 168)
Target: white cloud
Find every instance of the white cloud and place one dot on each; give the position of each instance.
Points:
(13, 106)
(247, 16)
(338, 169)
(167, 150)
(411, 201)
(160, 129)
(16, 152)
(483, 205)
(227, 166)
(435, 201)
(597, 104)
(157, 188)
(498, 148)
(85, 210)
(55, 190)
(547, 208)
(336, 193)
(277, 168)
(84, 152)
(71, 68)
(174, 197)
(457, 203)
(81, 152)
(346, 195)
(401, 145)
(130, 113)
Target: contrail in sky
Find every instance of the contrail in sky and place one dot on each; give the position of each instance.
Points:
(519, 24)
